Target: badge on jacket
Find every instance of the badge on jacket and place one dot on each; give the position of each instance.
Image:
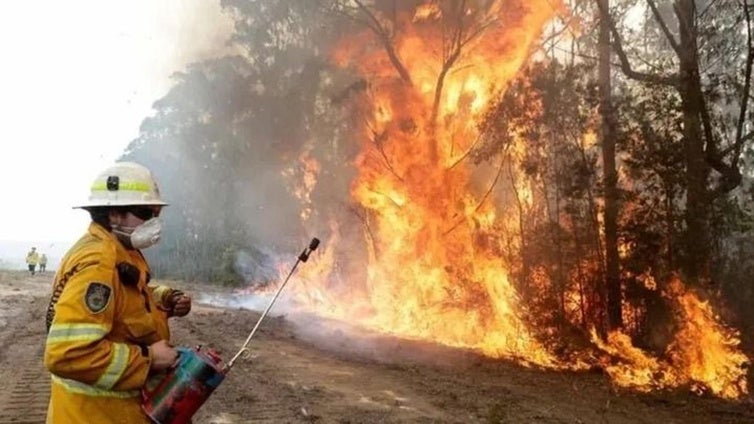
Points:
(97, 297)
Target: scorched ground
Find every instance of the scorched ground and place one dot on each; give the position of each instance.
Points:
(293, 376)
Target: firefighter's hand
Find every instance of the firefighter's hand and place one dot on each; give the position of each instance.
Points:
(163, 355)
(180, 304)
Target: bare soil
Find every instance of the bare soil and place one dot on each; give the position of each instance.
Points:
(303, 370)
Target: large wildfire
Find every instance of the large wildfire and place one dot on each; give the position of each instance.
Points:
(433, 235)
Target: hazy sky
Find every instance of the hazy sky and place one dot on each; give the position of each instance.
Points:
(76, 81)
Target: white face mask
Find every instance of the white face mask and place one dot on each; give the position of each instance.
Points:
(142, 236)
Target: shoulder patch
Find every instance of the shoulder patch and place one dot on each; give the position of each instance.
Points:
(97, 297)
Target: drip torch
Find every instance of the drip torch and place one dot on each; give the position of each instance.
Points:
(189, 383)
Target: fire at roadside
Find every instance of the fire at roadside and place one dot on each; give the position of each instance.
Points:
(434, 240)
(449, 156)
(374, 379)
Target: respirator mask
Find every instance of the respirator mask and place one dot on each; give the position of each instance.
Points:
(142, 236)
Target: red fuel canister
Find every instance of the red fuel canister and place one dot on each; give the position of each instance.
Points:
(183, 390)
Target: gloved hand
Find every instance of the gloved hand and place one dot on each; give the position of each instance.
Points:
(179, 304)
(163, 355)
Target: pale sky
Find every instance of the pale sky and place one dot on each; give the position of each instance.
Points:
(77, 79)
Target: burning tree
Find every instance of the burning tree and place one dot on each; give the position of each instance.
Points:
(434, 267)
(438, 239)
(466, 180)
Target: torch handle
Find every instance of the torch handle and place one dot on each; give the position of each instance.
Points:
(303, 257)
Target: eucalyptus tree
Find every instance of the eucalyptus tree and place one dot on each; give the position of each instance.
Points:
(610, 176)
(706, 54)
(222, 136)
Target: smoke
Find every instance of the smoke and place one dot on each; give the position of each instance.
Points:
(340, 337)
(86, 72)
(152, 40)
(257, 158)
(192, 30)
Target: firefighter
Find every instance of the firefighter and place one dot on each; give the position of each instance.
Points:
(107, 327)
(42, 263)
(32, 258)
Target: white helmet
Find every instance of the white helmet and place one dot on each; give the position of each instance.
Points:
(124, 184)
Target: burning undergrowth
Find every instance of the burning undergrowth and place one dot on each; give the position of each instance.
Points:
(704, 354)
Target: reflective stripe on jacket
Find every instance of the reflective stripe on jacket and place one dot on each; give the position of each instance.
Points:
(101, 326)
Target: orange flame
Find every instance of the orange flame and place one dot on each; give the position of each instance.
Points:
(434, 269)
(705, 350)
(429, 275)
(704, 354)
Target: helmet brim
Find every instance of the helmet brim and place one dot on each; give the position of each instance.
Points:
(116, 203)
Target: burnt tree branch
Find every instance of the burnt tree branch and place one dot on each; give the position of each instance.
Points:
(664, 26)
(739, 141)
(378, 139)
(452, 51)
(625, 64)
(387, 41)
(731, 174)
(364, 218)
(465, 154)
(484, 198)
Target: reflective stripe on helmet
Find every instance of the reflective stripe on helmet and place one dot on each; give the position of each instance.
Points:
(80, 388)
(123, 186)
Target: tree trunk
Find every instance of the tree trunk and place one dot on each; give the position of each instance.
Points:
(610, 177)
(697, 238)
(700, 151)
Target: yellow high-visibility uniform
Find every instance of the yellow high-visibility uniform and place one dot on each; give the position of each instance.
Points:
(32, 258)
(101, 324)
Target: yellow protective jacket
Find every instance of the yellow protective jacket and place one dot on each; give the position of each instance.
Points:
(32, 258)
(102, 318)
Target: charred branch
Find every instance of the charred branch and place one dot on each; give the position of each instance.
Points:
(554, 37)
(739, 141)
(371, 21)
(378, 139)
(363, 216)
(386, 38)
(353, 88)
(452, 50)
(708, 8)
(484, 198)
(466, 154)
(461, 36)
(625, 64)
(730, 174)
(664, 26)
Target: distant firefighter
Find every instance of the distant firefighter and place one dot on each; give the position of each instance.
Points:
(32, 258)
(42, 263)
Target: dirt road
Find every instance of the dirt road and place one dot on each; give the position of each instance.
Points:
(321, 375)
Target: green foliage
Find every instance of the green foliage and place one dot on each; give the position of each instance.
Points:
(225, 141)
(650, 142)
(226, 273)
